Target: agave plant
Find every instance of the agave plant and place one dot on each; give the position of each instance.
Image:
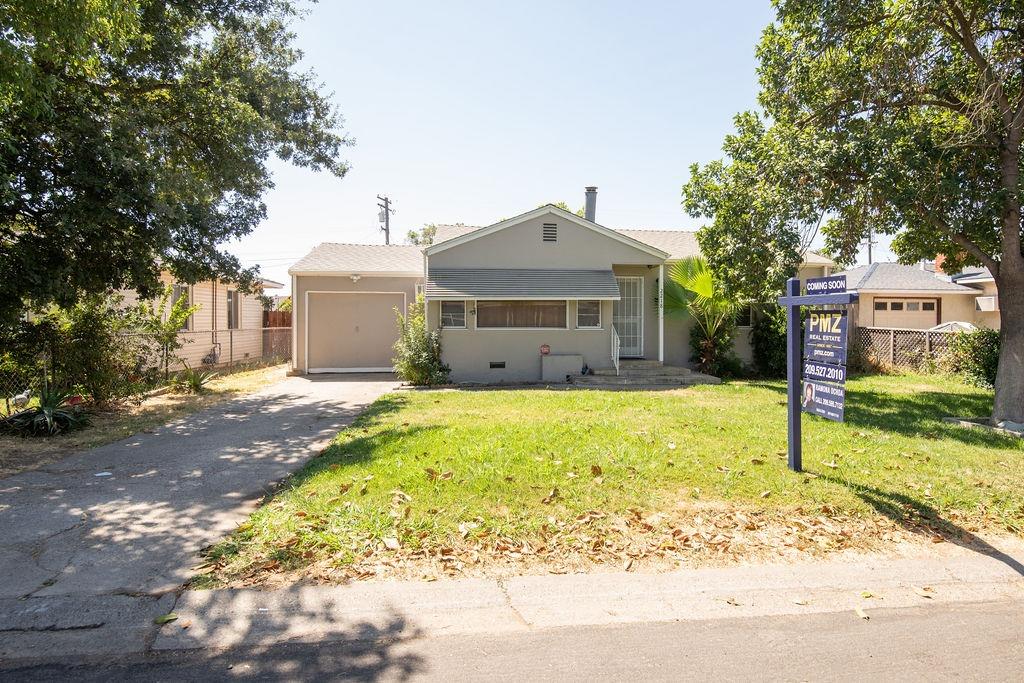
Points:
(691, 290)
(54, 414)
(192, 381)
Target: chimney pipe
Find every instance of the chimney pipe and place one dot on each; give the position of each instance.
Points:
(590, 208)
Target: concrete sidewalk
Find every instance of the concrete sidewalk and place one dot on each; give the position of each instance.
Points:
(128, 518)
(239, 620)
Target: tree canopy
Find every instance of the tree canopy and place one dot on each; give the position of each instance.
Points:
(135, 136)
(904, 117)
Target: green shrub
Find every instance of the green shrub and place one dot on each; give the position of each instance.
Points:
(715, 355)
(418, 351)
(975, 355)
(768, 338)
(53, 415)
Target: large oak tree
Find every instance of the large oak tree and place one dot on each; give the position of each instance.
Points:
(135, 135)
(905, 117)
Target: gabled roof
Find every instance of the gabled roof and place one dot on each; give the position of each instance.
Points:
(540, 211)
(331, 258)
(896, 277)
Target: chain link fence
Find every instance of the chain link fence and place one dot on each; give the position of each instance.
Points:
(22, 380)
(903, 349)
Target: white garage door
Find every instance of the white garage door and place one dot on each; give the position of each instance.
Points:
(918, 314)
(351, 331)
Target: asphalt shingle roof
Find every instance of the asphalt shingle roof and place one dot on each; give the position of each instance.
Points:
(898, 277)
(331, 257)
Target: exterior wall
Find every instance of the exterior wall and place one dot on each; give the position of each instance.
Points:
(208, 332)
(469, 352)
(677, 340)
(989, 319)
(329, 283)
(520, 246)
(952, 307)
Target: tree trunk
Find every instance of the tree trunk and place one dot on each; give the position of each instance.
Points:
(1009, 403)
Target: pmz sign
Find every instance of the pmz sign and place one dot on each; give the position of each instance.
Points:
(825, 349)
(816, 360)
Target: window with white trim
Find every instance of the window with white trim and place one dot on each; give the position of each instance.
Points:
(233, 309)
(521, 314)
(588, 315)
(179, 292)
(453, 314)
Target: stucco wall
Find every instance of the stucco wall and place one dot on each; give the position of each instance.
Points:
(953, 307)
(521, 246)
(328, 283)
(469, 352)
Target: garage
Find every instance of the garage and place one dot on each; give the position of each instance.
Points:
(352, 331)
(345, 296)
(916, 313)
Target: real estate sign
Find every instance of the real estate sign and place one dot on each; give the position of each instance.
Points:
(815, 360)
(825, 344)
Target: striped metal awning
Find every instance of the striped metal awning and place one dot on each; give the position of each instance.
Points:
(520, 283)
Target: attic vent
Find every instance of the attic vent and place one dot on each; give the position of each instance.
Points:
(550, 232)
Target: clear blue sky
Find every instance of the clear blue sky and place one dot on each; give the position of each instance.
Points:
(476, 111)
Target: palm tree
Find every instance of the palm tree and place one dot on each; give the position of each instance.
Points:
(691, 290)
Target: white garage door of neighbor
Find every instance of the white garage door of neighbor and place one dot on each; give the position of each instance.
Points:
(918, 314)
(351, 331)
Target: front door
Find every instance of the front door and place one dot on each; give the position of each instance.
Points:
(628, 316)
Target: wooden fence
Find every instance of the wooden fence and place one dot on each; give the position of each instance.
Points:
(902, 348)
(277, 319)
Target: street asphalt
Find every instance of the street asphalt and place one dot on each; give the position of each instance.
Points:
(965, 641)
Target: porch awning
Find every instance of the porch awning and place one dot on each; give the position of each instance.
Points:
(520, 283)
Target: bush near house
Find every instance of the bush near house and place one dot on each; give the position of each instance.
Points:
(418, 351)
(768, 338)
(975, 355)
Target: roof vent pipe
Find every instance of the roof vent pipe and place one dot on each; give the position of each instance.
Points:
(590, 208)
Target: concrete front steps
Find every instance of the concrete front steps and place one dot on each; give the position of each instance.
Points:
(643, 374)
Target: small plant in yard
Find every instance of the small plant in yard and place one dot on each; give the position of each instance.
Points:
(163, 320)
(975, 355)
(55, 413)
(192, 381)
(768, 339)
(418, 351)
(691, 290)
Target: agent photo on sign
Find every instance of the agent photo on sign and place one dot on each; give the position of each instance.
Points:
(808, 395)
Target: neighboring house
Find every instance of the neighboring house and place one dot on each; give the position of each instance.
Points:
(546, 279)
(227, 327)
(895, 295)
(986, 305)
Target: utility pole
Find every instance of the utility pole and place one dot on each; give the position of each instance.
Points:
(385, 216)
(869, 241)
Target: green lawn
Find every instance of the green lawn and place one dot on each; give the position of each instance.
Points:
(453, 478)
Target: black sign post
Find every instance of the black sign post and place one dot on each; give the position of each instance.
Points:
(816, 382)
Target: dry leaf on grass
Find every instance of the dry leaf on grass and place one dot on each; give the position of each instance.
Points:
(765, 494)
(548, 499)
(392, 543)
(595, 470)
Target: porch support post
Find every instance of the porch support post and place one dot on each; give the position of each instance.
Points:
(661, 313)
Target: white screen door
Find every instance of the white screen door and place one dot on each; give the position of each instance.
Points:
(628, 316)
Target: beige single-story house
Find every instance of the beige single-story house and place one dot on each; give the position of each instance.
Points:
(227, 327)
(893, 295)
(534, 297)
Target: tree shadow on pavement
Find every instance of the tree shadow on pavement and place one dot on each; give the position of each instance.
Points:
(921, 519)
(339, 650)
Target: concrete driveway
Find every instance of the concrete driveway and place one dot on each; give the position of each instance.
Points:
(128, 518)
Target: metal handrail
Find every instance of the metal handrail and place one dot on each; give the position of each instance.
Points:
(615, 350)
